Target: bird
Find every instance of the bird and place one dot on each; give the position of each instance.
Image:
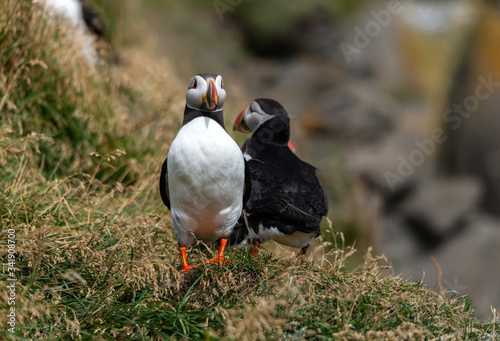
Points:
(204, 177)
(84, 23)
(286, 201)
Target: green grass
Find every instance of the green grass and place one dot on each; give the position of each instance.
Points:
(101, 272)
(102, 263)
(96, 255)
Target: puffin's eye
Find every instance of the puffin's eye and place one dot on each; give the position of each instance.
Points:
(195, 84)
(221, 84)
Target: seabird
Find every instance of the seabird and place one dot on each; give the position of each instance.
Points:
(203, 178)
(287, 201)
(86, 26)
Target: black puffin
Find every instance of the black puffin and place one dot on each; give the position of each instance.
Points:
(287, 201)
(202, 179)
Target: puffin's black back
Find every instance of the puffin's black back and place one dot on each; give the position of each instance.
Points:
(285, 190)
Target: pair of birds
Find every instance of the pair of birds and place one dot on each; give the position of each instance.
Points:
(207, 181)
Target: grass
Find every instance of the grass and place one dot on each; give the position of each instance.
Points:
(96, 256)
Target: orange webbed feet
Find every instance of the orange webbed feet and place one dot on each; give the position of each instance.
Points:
(220, 258)
(186, 266)
(217, 260)
(255, 249)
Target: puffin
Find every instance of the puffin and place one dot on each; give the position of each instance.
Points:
(286, 202)
(203, 178)
(87, 27)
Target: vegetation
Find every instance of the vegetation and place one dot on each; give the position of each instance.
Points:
(96, 256)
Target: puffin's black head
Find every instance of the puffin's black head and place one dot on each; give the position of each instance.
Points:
(259, 111)
(206, 92)
(267, 120)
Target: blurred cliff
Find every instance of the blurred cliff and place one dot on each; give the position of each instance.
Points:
(437, 171)
(394, 102)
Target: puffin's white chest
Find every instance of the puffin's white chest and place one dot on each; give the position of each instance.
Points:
(206, 177)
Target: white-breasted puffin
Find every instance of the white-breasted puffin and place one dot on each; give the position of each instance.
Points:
(86, 25)
(287, 201)
(203, 178)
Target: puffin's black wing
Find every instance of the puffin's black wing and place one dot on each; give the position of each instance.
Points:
(248, 183)
(164, 184)
(93, 21)
(314, 193)
(287, 189)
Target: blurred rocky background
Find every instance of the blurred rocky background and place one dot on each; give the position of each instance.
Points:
(395, 102)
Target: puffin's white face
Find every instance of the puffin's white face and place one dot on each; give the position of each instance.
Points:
(251, 118)
(206, 94)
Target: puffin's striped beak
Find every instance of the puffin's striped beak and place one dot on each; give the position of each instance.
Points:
(212, 97)
(240, 124)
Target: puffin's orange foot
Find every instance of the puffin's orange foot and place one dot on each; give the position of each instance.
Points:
(219, 260)
(255, 249)
(186, 267)
(220, 257)
(302, 253)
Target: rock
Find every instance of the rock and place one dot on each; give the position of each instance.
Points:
(396, 241)
(353, 112)
(439, 205)
(387, 165)
(312, 122)
(473, 148)
(471, 259)
(294, 83)
(468, 261)
(473, 141)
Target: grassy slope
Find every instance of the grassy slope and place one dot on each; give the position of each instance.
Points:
(96, 255)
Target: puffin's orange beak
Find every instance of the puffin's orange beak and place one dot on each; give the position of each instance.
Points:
(292, 147)
(240, 124)
(212, 97)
